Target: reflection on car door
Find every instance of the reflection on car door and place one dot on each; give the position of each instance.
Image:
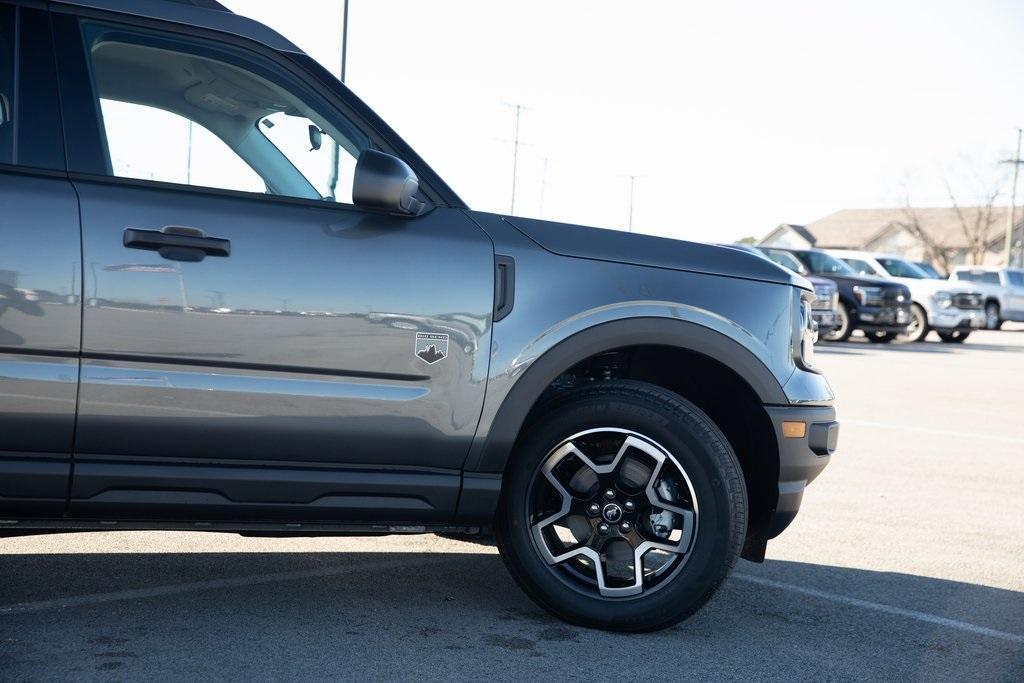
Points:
(40, 277)
(282, 364)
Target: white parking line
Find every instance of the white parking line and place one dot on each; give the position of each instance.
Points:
(888, 609)
(928, 430)
(175, 589)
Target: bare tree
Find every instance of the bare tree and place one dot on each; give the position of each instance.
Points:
(976, 223)
(912, 223)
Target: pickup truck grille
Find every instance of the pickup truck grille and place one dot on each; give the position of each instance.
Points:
(824, 298)
(969, 301)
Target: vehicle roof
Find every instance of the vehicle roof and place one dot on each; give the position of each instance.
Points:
(868, 254)
(208, 14)
(987, 269)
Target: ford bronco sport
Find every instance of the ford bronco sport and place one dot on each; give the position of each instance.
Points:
(233, 299)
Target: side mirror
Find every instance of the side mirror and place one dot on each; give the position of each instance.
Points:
(386, 182)
(316, 138)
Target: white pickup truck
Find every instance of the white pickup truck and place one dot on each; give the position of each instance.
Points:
(1003, 289)
(952, 309)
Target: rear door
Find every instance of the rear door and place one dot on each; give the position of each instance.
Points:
(308, 357)
(40, 274)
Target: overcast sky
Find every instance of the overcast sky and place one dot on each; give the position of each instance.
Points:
(737, 116)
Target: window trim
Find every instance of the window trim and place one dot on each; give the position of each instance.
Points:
(35, 95)
(85, 148)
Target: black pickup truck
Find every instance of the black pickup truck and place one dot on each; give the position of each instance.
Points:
(879, 307)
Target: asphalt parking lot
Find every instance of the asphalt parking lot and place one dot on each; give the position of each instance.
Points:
(906, 562)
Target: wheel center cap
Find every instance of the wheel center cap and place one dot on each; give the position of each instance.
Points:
(612, 513)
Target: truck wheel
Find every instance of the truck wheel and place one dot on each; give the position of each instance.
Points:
(843, 328)
(918, 328)
(954, 336)
(992, 321)
(623, 507)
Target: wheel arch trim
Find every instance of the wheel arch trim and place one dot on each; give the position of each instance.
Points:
(494, 450)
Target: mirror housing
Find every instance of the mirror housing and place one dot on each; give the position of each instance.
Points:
(386, 182)
(316, 138)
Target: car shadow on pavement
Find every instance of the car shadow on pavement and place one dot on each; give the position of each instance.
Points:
(860, 347)
(460, 615)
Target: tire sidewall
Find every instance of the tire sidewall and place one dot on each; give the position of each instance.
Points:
(992, 322)
(716, 544)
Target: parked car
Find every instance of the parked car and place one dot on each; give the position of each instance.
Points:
(929, 270)
(1003, 289)
(952, 309)
(630, 414)
(879, 307)
(826, 293)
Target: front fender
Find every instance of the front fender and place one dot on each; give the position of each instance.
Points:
(525, 377)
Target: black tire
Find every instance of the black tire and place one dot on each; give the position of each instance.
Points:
(954, 336)
(992, 319)
(880, 337)
(709, 466)
(918, 328)
(844, 329)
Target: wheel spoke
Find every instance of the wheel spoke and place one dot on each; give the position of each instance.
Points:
(611, 549)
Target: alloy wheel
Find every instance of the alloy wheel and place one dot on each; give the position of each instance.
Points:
(918, 327)
(612, 513)
(842, 330)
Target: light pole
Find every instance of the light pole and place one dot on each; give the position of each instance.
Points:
(632, 193)
(332, 181)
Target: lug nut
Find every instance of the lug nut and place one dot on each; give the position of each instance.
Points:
(603, 528)
(630, 506)
(609, 494)
(594, 509)
(625, 527)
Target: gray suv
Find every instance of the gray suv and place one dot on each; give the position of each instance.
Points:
(233, 299)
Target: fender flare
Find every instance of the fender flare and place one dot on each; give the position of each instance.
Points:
(497, 447)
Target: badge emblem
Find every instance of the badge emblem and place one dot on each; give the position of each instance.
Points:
(431, 347)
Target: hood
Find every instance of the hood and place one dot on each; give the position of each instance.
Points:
(819, 281)
(920, 288)
(658, 252)
(860, 280)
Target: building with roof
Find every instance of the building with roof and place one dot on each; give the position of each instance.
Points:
(944, 236)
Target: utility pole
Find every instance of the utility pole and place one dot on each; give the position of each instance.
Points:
(515, 154)
(543, 185)
(332, 181)
(1011, 219)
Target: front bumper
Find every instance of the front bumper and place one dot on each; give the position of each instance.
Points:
(956, 319)
(801, 458)
(888, 318)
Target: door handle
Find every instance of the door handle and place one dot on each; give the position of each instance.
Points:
(177, 243)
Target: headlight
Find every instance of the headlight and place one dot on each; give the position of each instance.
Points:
(805, 330)
(868, 296)
(943, 299)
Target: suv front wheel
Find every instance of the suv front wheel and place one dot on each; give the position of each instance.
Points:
(623, 507)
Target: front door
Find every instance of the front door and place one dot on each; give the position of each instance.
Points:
(253, 344)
